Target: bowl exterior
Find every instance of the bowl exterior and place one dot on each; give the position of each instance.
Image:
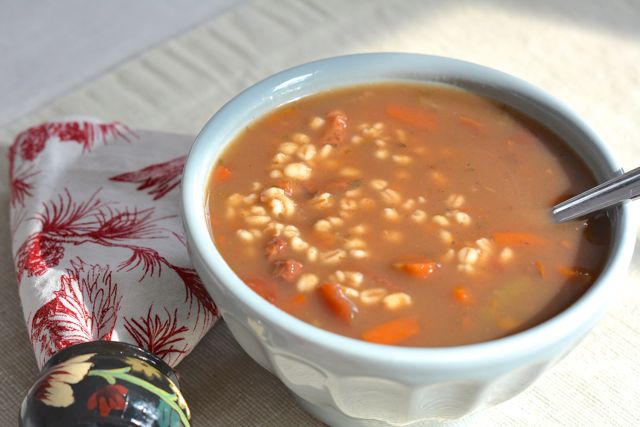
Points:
(348, 382)
(343, 389)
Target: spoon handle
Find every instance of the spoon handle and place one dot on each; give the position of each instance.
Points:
(616, 190)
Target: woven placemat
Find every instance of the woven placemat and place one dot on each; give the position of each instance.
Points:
(583, 52)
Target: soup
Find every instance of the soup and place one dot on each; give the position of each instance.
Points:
(405, 214)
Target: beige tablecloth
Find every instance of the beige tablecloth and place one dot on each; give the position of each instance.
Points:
(585, 52)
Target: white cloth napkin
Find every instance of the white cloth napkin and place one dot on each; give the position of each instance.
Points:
(97, 239)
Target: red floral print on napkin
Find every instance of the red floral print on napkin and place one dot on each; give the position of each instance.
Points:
(84, 308)
(159, 178)
(97, 258)
(31, 142)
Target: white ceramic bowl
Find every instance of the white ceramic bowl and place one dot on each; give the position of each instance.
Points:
(348, 382)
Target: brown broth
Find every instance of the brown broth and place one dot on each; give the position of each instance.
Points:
(503, 267)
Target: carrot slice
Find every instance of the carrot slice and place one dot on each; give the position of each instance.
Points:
(221, 174)
(337, 301)
(577, 274)
(516, 238)
(412, 116)
(299, 299)
(417, 269)
(295, 304)
(393, 332)
(471, 123)
(540, 268)
(461, 295)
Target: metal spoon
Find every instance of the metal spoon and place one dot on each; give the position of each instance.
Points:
(612, 192)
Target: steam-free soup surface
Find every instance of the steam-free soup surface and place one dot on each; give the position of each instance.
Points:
(405, 215)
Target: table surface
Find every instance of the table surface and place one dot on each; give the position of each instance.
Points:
(587, 53)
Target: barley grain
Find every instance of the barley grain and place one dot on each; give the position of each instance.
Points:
(299, 171)
(316, 123)
(312, 254)
(325, 151)
(378, 184)
(275, 174)
(322, 226)
(300, 138)
(440, 220)
(350, 292)
(353, 278)
(307, 282)
(332, 256)
(306, 152)
(418, 216)
(290, 231)
(393, 236)
(468, 255)
(462, 218)
(381, 154)
(257, 220)
(446, 237)
(322, 201)
(335, 221)
(455, 201)
(288, 148)
(245, 235)
(506, 255)
(401, 159)
(280, 158)
(396, 301)
(390, 196)
(358, 253)
(298, 245)
(372, 296)
(235, 199)
(358, 230)
(390, 214)
(355, 243)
